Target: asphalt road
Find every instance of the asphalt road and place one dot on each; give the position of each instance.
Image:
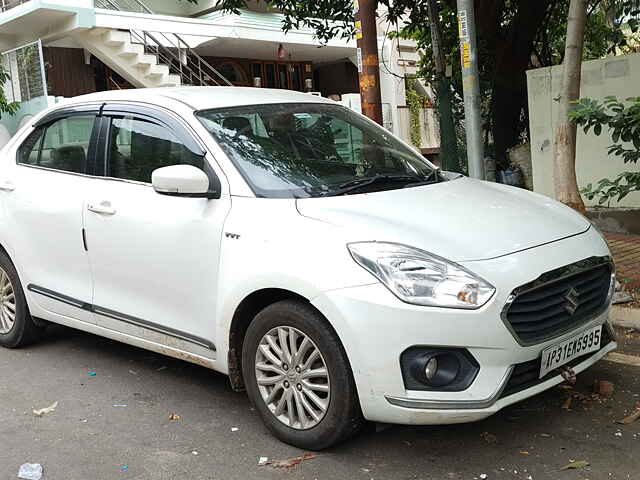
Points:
(87, 437)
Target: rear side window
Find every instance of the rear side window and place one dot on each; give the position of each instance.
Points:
(61, 145)
(138, 146)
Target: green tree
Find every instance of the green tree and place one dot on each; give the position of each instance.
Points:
(6, 107)
(623, 121)
(513, 36)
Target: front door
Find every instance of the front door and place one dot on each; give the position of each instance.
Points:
(44, 183)
(154, 257)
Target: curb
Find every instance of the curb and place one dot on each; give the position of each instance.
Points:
(625, 317)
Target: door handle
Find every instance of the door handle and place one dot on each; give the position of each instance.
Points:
(103, 208)
(7, 186)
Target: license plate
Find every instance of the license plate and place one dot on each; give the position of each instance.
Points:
(576, 346)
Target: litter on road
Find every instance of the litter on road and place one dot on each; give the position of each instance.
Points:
(42, 411)
(30, 471)
(92, 374)
(288, 463)
(630, 418)
(575, 465)
(174, 416)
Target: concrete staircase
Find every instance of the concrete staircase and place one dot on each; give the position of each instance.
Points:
(117, 50)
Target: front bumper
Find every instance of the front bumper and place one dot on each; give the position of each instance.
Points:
(375, 328)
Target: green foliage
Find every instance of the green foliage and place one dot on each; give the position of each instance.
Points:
(328, 18)
(623, 122)
(5, 106)
(415, 103)
(513, 35)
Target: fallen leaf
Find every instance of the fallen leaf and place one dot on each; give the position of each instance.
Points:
(604, 387)
(524, 452)
(489, 437)
(49, 409)
(630, 418)
(291, 462)
(575, 465)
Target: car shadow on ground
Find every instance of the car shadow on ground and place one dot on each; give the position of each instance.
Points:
(534, 437)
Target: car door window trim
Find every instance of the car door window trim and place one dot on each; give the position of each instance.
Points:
(122, 317)
(58, 115)
(157, 116)
(103, 152)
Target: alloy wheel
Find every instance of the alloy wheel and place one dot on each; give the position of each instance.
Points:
(7, 303)
(292, 377)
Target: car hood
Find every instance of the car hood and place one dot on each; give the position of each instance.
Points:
(462, 219)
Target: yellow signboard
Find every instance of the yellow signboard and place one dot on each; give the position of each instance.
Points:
(465, 52)
(358, 26)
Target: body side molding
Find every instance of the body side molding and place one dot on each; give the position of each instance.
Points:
(123, 317)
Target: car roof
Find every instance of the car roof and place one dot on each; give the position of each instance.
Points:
(200, 98)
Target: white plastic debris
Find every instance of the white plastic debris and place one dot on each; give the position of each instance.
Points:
(263, 460)
(194, 452)
(621, 297)
(44, 410)
(30, 471)
(483, 476)
(234, 429)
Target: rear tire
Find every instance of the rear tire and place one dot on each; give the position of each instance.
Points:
(318, 410)
(17, 328)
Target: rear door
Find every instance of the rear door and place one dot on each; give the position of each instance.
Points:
(42, 193)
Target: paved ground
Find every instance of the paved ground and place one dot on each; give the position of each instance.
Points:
(626, 254)
(88, 438)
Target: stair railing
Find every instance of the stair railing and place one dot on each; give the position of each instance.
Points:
(169, 48)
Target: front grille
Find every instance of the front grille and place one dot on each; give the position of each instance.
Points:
(559, 300)
(525, 375)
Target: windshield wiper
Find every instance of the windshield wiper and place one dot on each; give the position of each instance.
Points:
(357, 184)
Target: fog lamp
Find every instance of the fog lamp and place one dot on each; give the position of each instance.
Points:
(431, 368)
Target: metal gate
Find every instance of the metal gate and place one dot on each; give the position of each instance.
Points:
(25, 68)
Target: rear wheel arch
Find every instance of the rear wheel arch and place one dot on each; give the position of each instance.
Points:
(38, 321)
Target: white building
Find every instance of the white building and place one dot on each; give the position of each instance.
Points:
(63, 48)
(618, 76)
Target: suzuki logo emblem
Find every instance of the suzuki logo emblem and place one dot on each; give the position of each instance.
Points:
(572, 301)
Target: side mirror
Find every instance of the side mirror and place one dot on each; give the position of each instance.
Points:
(181, 181)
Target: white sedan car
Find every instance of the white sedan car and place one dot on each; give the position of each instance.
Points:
(303, 250)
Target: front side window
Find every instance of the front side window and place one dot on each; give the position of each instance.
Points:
(309, 150)
(138, 146)
(61, 145)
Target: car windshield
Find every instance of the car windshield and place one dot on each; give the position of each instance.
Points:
(311, 149)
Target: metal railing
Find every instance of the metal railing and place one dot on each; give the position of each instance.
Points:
(169, 48)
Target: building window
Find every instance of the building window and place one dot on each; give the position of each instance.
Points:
(233, 72)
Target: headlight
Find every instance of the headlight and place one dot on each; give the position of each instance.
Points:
(421, 278)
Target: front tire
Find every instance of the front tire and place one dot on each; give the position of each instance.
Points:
(298, 377)
(16, 325)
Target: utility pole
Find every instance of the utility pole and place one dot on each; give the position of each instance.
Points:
(448, 143)
(471, 87)
(368, 63)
